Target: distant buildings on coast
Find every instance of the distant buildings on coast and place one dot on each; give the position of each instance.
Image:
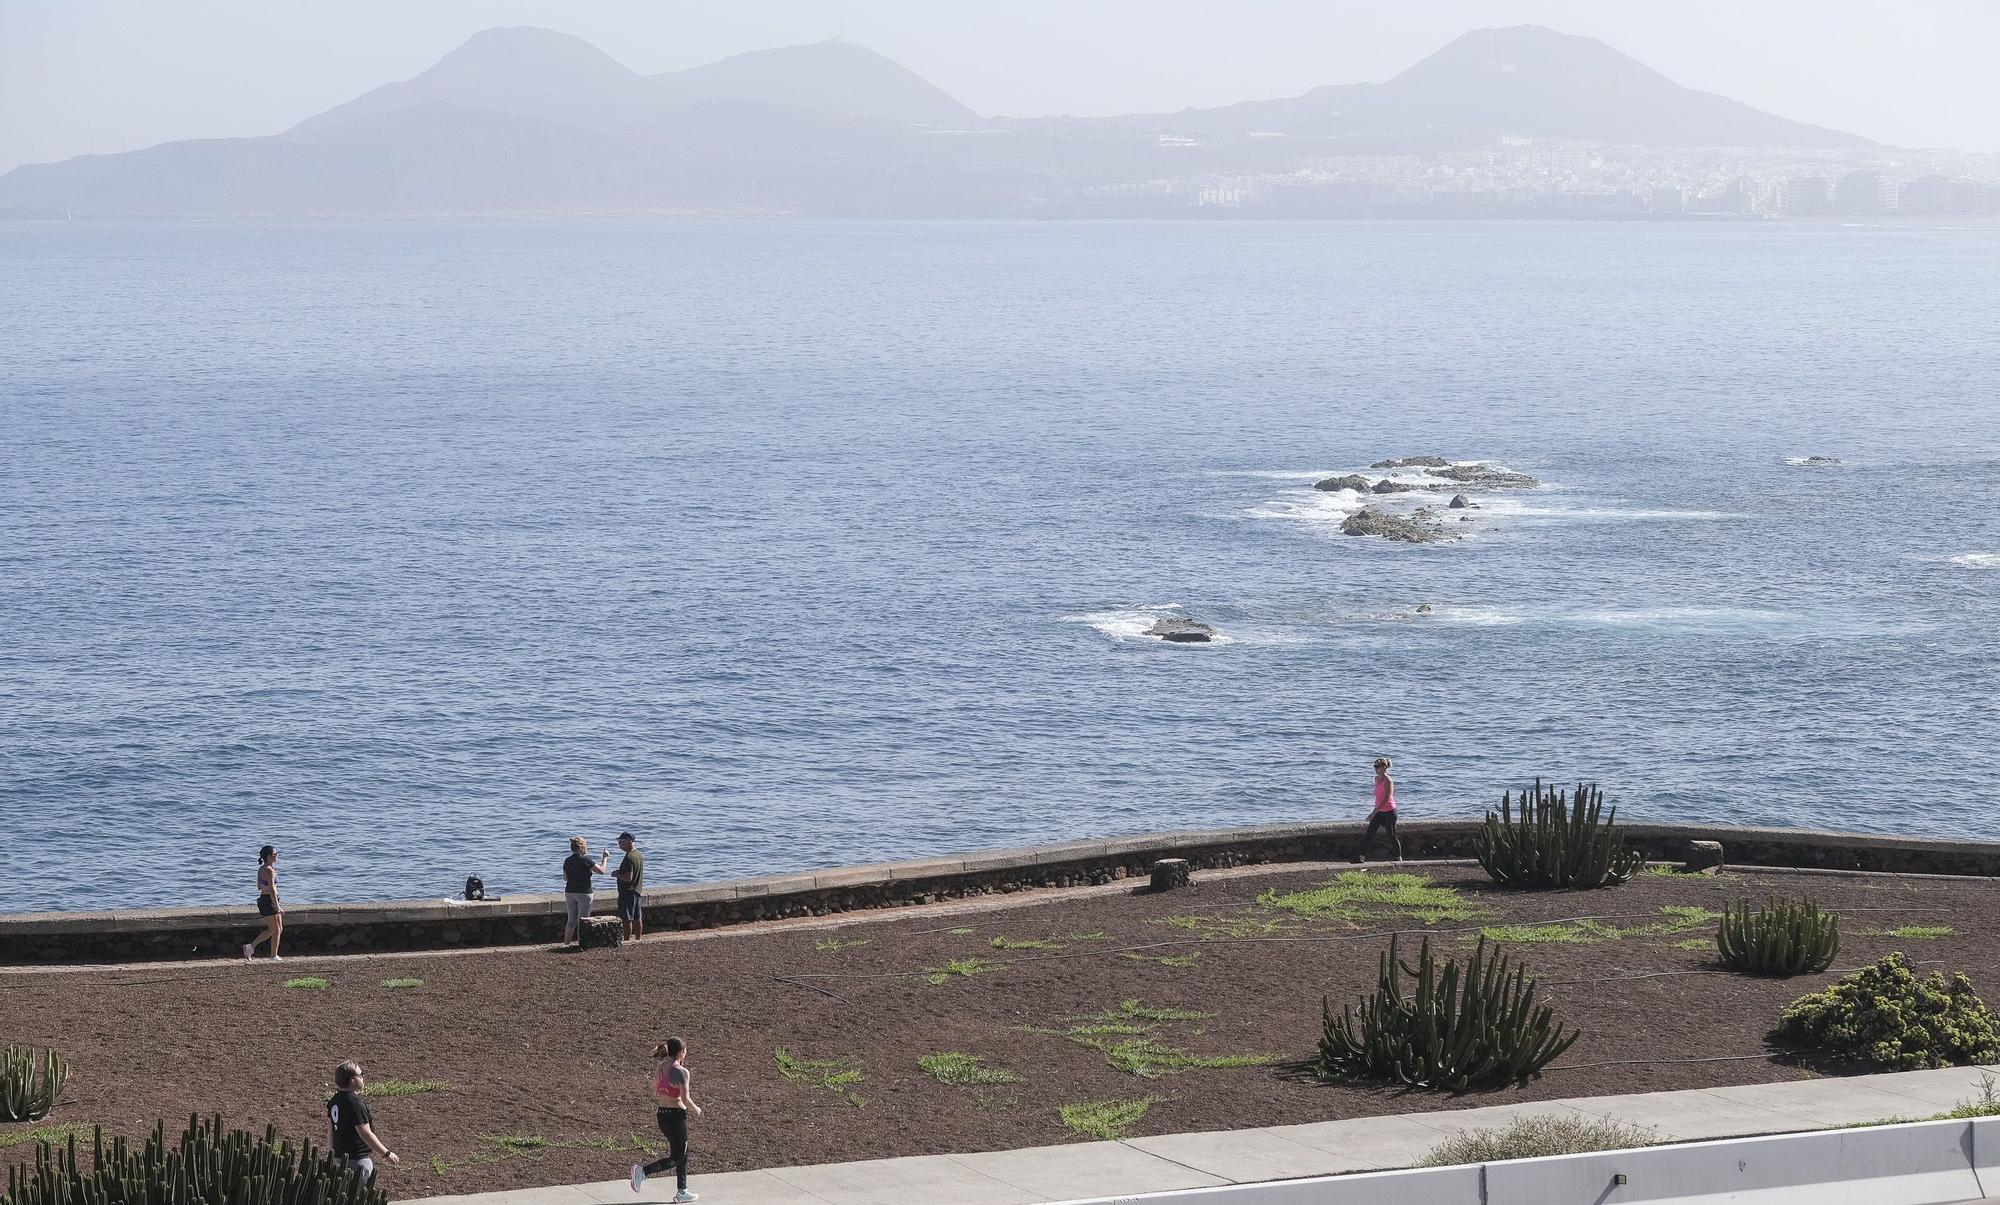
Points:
(1528, 178)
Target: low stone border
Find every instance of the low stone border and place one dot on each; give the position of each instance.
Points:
(173, 933)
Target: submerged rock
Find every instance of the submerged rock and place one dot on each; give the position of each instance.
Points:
(1413, 462)
(1819, 462)
(1461, 502)
(1371, 522)
(1353, 481)
(1386, 486)
(1181, 631)
(1484, 476)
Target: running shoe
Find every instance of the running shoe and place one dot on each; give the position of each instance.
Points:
(638, 1177)
(249, 951)
(685, 1195)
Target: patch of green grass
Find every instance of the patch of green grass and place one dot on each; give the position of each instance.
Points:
(1912, 932)
(308, 983)
(399, 984)
(517, 1144)
(1165, 960)
(1679, 918)
(1695, 943)
(959, 932)
(54, 1135)
(1149, 1058)
(439, 1167)
(835, 1075)
(1061, 942)
(1359, 895)
(1235, 926)
(961, 1070)
(1661, 870)
(961, 968)
(1106, 1120)
(1558, 935)
(1125, 1036)
(404, 1087)
(833, 945)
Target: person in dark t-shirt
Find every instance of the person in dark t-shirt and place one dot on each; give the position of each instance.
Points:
(352, 1124)
(631, 876)
(577, 872)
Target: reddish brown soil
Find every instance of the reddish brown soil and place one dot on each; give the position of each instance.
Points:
(534, 1043)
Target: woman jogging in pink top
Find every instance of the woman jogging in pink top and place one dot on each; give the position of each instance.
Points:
(1384, 816)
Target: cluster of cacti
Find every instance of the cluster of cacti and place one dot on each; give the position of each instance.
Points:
(1555, 842)
(208, 1166)
(31, 1079)
(1471, 1027)
(1778, 939)
(1885, 1015)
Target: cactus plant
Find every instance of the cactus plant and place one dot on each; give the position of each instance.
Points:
(1778, 939)
(1558, 841)
(31, 1080)
(1474, 1027)
(208, 1166)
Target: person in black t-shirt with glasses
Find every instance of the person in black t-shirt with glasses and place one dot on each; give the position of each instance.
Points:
(577, 885)
(353, 1124)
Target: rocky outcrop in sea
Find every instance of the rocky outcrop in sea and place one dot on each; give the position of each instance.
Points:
(1413, 529)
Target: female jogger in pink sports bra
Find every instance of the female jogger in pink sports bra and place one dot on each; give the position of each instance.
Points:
(1384, 816)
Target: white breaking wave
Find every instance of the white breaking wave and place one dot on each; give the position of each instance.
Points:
(1273, 474)
(1977, 560)
(1615, 617)
(1530, 508)
(1130, 623)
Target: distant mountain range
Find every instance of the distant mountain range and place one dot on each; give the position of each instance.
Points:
(530, 121)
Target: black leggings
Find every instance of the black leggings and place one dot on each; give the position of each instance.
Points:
(674, 1124)
(1381, 820)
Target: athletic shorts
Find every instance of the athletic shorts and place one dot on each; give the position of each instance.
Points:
(266, 906)
(630, 905)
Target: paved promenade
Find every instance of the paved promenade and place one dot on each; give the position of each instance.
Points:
(1137, 1165)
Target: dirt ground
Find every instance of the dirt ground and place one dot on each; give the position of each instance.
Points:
(535, 1064)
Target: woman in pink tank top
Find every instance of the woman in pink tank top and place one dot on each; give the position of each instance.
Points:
(1384, 816)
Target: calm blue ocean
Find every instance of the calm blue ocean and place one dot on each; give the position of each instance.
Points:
(415, 548)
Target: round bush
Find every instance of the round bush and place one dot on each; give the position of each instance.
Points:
(1885, 1015)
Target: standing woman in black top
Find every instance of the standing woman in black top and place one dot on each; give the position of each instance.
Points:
(267, 904)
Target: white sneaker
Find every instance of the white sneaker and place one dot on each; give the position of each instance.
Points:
(249, 951)
(638, 1177)
(685, 1195)
(275, 958)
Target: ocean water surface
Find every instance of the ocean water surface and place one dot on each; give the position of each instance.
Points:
(415, 548)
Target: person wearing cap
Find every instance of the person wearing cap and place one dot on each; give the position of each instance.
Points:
(631, 879)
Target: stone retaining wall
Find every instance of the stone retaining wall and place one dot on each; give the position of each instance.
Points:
(174, 933)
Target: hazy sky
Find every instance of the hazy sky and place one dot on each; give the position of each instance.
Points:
(107, 75)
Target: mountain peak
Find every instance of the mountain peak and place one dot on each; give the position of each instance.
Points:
(524, 49)
(827, 77)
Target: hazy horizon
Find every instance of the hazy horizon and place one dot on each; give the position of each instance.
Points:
(111, 76)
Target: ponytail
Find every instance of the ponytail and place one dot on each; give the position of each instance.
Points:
(672, 1048)
(660, 1051)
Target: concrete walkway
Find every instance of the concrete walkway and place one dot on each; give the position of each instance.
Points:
(1101, 1169)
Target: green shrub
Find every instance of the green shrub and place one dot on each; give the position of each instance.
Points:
(1471, 1027)
(1778, 939)
(1885, 1015)
(31, 1081)
(1555, 843)
(1534, 1137)
(208, 1166)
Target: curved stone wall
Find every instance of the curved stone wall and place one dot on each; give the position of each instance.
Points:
(180, 933)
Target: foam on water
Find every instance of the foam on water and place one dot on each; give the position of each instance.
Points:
(1130, 623)
(1977, 560)
(1676, 617)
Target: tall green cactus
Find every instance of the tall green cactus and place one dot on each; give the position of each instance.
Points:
(1555, 842)
(31, 1081)
(1778, 939)
(208, 1166)
(1472, 1028)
